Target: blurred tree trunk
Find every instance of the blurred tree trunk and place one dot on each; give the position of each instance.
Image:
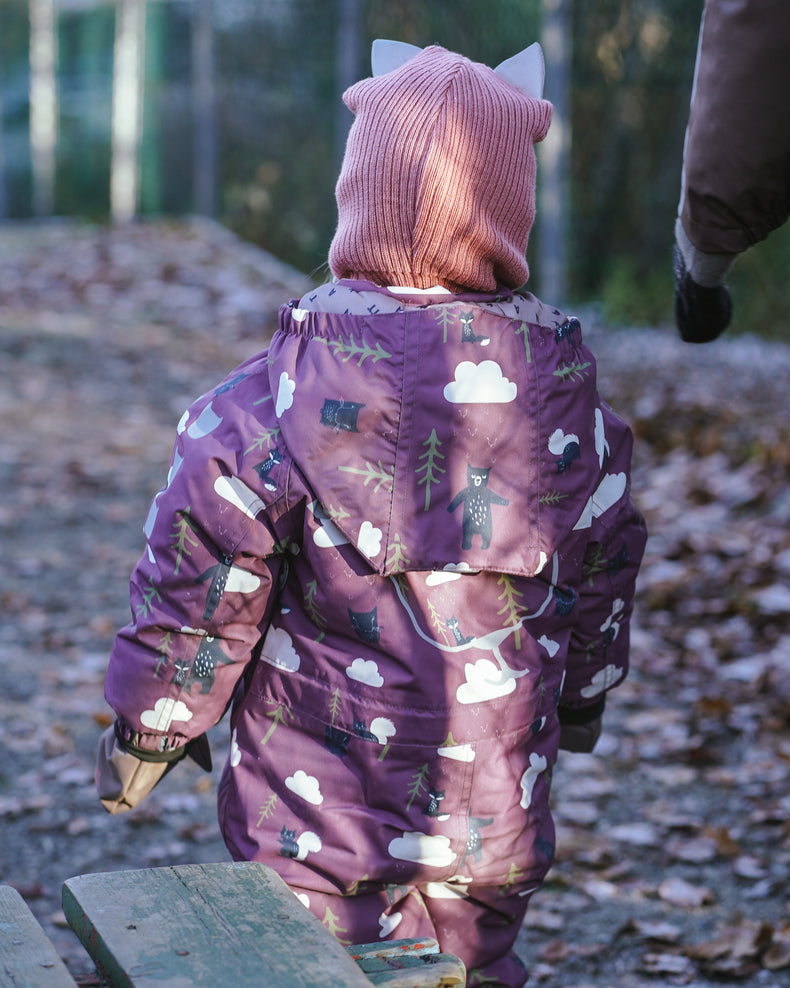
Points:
(204, 110)
(347, 61)
(127, 102)
(43, 104)
(554, 152)
(3, 202)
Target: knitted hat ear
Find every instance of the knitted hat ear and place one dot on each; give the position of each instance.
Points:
(526, 71)
(386, 56)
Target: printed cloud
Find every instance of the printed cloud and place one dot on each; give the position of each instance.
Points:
(241, 581)
(150, 520)
(558, 440)
(285, 394)
(389, 923)
(365, 671)
(328, 535)
(278, 650)
(369, 541)
(549, 644)
(450, 572)
(235, 750)
(484, 681)
(456, 887)
(236, 492)
(601, 445)
(611, 622)
(165, 711)
(608, 493)
(482, 383)
(537, 764)
(423, 848)
(307, 842)
(306, 786)
(382, 728)
(458, 752)
(602, 680)
(205, 423)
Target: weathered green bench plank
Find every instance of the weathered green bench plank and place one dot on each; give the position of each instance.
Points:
(204, 926)
(27, 958)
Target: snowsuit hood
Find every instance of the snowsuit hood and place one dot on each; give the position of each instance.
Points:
(393, 404)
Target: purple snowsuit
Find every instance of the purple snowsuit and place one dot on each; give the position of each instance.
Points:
(399, 539)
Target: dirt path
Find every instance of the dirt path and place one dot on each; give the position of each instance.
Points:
(674, 841)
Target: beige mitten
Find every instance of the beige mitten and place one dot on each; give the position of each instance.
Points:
(122, 779)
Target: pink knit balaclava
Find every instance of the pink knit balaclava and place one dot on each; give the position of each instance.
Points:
(438, 180)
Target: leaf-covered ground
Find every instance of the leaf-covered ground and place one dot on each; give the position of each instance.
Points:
(673, 838)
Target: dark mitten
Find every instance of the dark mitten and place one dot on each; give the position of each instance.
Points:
(580, 727)
(701, 313)
(580, 737)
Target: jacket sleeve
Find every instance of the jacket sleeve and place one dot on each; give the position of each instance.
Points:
(203, 591)
(736, 167)
(599, 646)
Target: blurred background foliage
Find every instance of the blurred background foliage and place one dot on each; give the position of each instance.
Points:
(278, 127)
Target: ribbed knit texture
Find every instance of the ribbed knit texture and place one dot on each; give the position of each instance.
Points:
(438, 180)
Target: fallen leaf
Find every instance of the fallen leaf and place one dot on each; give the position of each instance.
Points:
(679, 892)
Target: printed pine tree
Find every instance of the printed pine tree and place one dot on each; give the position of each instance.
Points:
(445, 318)
(514, 873)
(512, 610)
(336, 514)
(595, 563)
(552, 497)
(419, 784)
(353, 889)
(267, 809)
(438, 623)
(359, 351)
(281, 546)
(150, 595)
(330, 921)
(266, 439)
(523, 331)
(165, 652)
(182, 539)
(577, 371)
(334, 704)
(278, 715)
(397, 560)
(380, 475)
(476, 979)
(312, 609)
(431, 465)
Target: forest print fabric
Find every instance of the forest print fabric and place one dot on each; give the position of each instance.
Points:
(399, 539)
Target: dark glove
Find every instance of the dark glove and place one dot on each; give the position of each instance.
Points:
(580, 727)
(701, 313)
(580, 737)
(124, 776)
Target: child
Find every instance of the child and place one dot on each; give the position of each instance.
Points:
(400, 541)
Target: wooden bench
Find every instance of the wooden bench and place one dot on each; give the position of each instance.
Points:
(233, 924)
(27, 958)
